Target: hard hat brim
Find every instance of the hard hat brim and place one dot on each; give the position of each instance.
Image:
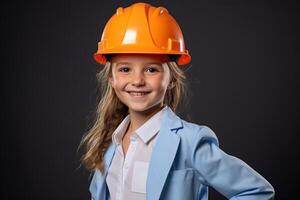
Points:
(183, 59)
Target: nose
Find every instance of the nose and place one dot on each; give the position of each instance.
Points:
(138, 79)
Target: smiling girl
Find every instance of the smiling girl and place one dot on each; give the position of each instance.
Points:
(138, 147)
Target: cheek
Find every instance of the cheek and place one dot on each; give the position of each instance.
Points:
(117, 82)
(160, 83)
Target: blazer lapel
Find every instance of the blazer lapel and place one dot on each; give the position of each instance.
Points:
(163, 154)
(109, 155)
(102, 189)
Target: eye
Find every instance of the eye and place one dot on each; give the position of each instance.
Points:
(152, 69)
(124, 69)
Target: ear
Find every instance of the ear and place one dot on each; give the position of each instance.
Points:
(171, 85)
(111, 81)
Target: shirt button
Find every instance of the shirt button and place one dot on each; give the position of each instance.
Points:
(133, 138)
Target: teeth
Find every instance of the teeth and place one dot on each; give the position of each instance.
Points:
(137, 93)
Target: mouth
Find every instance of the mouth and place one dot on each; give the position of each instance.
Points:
(138, 93)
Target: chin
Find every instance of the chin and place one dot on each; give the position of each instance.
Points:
(138, 108)
(142, 108)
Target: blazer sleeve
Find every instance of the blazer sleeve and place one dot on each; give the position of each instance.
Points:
(227, 174)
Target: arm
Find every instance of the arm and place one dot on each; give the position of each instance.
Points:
(227, 174)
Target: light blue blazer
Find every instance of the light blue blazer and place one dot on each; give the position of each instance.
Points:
(186, 160)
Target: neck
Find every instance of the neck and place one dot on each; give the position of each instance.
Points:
(137, 119)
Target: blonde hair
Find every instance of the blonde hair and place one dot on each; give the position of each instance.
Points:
(111, 111)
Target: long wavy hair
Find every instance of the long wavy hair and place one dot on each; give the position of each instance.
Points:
(111, 111)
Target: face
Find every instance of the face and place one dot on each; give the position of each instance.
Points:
(140, 80)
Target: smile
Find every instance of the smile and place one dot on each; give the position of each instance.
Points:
(138, 94)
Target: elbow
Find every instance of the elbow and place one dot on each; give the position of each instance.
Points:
(265, 192)
(270, 192)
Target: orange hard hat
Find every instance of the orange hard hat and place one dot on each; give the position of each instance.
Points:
(142, 28)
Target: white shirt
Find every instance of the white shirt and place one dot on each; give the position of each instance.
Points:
(127, 176)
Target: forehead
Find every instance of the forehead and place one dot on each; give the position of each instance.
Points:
(139, 58)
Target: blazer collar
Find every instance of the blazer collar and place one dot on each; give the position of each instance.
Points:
(101, 190)
(109, 155)
(163, 154)
(171, 120)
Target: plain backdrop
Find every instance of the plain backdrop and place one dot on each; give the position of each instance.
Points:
(243, 84)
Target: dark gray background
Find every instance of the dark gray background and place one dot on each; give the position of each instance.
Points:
(243, 84)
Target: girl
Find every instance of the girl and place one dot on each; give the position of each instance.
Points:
(138, 147)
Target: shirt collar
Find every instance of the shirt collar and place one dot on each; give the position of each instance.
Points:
(151, 127)
(146, 132)
(120, 130)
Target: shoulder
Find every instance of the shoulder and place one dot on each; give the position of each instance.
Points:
(197, 132)
(188, 131)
